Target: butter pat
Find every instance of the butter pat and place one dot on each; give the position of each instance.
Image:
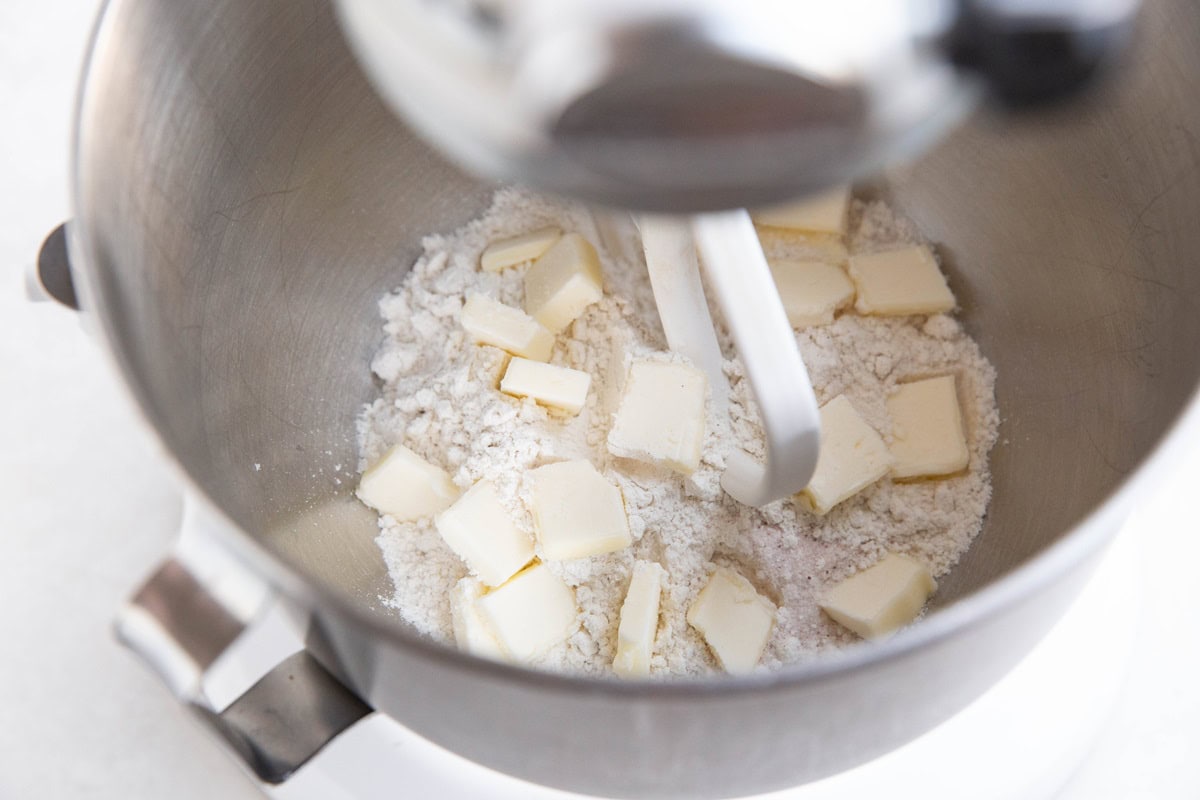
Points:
(576, 512)
(471, 633)
(560, 387)
(639, 621)
(821, 213)
(563, 282)
(480, 532)
(828, 248)
(899, 282)
(734, 620)
(531, 613)
(519, 249)
(406, 486)
(661, 416)
(852, 457)
(927, 429)
(881, 598)
(811, 291)
(491, 322)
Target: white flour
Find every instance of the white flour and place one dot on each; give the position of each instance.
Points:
(439, 398)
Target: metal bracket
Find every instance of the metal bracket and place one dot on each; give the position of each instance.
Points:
(190, 617)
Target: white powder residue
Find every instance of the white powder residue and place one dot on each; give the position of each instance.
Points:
(440, 398)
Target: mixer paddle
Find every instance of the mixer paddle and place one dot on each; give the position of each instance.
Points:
(737, 270)
(679, 295)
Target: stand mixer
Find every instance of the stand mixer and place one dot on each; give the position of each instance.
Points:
(242, 199)
(704, 105)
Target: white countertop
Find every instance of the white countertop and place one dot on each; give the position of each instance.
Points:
(88, 505)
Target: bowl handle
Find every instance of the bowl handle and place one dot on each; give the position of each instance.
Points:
(232, 650)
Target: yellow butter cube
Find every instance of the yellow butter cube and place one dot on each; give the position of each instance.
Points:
(491, 322)
(734, 619)
(900, 282)
(825, 212)
(549, 385)
(516, 250)
(851, 458)
(927, 429)
(471, 633)
(882, 597)
(661, 416)
(639, 621)
(406, 486)
(531, 613)
(576, 512)
(480, 531)
(564, 281)
(811, 291)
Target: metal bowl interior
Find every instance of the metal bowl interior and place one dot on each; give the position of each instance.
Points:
(244, 200)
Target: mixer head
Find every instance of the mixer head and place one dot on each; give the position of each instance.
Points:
(693, 105)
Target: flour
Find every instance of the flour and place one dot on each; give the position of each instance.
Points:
(439, 397)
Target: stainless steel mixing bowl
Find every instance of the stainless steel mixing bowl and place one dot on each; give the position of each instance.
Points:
(242, 200)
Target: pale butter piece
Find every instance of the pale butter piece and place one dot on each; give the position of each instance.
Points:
(927, 429)
(828, 248)
(506, 253)
(560, 387)
(529, 614)
(576, 512)
(900, 282)
(851, 458)
(734, 619)
(491, 322)
(480, 531)
(661, 416)
(882, 597)
(639, 620)
(811, 291)
(564, 281)
(820, 213)
(471, 633)
(406, 486)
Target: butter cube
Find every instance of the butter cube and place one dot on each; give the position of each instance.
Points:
(491, 322)
(530, 614)
(481, 532)
(406, 486)
(661, 416)
(519, 249)
(576, 512)
(828, 248)
(927, 429)
(734, 620)
(899, 282)
(852, 457)
(821, 213)
(639, 621)
(882, 597)
(563, 282)
(471, 633)
(811, 291)
(560, 387)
